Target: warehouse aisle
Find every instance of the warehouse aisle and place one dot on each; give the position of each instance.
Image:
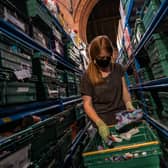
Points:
(43, 55)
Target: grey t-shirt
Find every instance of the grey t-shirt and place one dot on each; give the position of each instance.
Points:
(106, 97)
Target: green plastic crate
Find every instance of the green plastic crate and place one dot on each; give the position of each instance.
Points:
(64, 120)
(17, 92)
(64, 144)
(145, 74)
(70, 77)
(71, 89)
(47, 90)
(77, 80)
(15, 61)
(61, 77)
(150, 104)
(159, 69)
(35, 8)
(79, 111)
(150, 11)
(51, 90)
(145, 141)
(164, 100)
(44, 67)
(44, 136)
(157, 48)
(71, 84)
(47, 159)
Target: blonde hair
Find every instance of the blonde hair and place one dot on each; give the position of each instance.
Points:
(97, 44)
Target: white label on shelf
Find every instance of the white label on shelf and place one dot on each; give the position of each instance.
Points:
(22, 74)
(22, 89)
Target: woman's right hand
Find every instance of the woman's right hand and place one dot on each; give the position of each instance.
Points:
(103, 129)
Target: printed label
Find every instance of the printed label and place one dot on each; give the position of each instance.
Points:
(22, 89)
(6, 120)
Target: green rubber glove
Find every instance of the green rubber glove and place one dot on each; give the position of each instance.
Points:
(104, 131)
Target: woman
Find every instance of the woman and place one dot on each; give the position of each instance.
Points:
(103, 87)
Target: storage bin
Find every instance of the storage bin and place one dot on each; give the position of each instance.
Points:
(44, 67)
(11, 15)
(17, 92)
(71, 84)
(164, 100)
(35, 8)
(64, 120)
(79, 111)
(150, 9)
(64, 144)
(61, 78)
(143, 146)
(44, 136)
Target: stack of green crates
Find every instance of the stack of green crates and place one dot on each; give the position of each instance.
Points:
(145, 74)
(15, 57)
(45, 68)
(15, 61)
(64, 144)
(79, 111)
(150, 103)
(73, 54)
(150, 9)
(77, 80)
(157, 50)
(144, 147)
(164, 100)
(77, 161)
(47, 159)
(17, 79)
(71, 84)
(35, 8)
(62, 89)
(64, 120)
(44, 136)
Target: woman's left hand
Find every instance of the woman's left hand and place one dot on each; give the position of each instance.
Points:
(130, 107)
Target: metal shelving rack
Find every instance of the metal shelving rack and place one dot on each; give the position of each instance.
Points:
(159, 84)
(20, 111)
(12, 113)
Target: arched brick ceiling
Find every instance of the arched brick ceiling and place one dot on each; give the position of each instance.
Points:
(93, 17)
(104, 20)
(83, 11)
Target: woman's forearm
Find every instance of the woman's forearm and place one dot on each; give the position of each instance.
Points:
(90, 111)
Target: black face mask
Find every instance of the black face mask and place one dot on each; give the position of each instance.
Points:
(103, 63)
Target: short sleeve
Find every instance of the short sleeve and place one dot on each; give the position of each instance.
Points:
(86, 87)
(120, 69)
